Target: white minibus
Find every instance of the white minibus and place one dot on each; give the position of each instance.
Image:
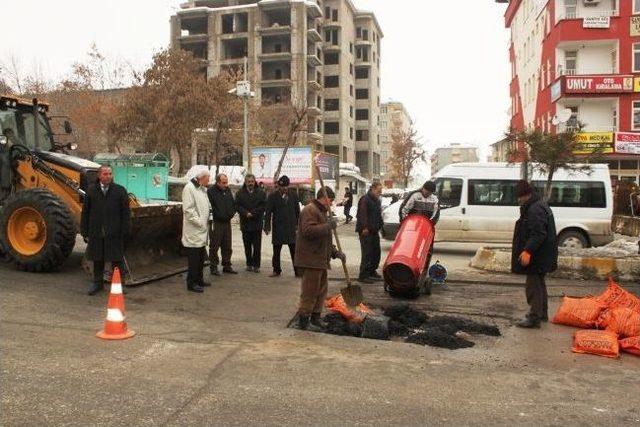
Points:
(478, 204)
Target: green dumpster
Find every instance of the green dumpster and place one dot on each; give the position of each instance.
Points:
(142, 174)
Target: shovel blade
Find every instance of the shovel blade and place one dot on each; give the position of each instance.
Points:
(352, 295)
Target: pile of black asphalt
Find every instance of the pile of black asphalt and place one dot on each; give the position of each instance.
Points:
(401, 321)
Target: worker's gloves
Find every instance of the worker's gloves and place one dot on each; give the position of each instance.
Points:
(333, 223)
(525, 259)
(339, 255)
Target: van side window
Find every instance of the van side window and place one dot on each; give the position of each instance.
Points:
(489, 192)
(574, 194)
(449, 191)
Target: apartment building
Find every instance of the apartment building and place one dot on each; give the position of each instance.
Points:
(453, 153)
(394, 118)
(319, 54)
(578, 62)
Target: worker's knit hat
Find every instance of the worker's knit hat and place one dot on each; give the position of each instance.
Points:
(284, 181)
(523, 188)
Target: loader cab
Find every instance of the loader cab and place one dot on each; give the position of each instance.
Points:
(20, 120)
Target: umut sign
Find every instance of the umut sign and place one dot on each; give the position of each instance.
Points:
(598, 84)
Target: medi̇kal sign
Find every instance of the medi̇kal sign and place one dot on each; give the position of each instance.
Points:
(598, 84)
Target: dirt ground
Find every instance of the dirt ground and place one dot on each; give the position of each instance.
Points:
(225, 357)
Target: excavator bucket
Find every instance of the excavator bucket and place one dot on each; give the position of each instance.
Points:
(154, 249)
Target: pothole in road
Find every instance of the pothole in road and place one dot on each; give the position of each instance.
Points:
(403, 323)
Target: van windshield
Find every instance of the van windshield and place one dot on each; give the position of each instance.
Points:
(449, 192)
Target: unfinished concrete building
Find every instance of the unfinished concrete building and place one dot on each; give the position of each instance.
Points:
(323, 55)
(394, 119)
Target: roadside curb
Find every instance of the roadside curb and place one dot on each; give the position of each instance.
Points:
(498, 259)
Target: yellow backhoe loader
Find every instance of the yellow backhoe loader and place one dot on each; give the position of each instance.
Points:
(42, 189)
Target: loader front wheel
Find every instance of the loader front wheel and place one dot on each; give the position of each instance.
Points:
(37, 230)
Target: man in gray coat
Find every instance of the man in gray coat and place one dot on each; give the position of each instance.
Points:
(195, 228)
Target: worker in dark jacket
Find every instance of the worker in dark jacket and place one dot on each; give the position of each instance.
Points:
(223, 210)
(314, 250)
(368, 226)
(534, 252)
(105, 224)
(250, 204)
(281, 217)
(347, 202)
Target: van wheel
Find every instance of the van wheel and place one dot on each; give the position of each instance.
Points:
(573, 239)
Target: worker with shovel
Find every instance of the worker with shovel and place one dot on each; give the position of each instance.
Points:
(314, 250)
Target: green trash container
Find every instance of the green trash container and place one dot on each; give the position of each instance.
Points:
(145, 175)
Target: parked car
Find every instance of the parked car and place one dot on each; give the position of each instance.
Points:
(479, 204)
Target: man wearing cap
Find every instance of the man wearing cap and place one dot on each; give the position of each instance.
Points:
(314, 250)
(281, 217)
(534, 251)
(195, 228)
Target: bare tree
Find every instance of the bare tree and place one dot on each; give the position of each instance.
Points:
(406, 152)
(296, 125)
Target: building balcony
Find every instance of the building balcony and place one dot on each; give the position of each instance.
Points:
(331, 139)
(275, 30)
(314, 111)
(591, 85)
(586, 72)
(362, 42)
(363, 145)
(276, 83)
(313, 35)
(587, 13)
(275, 56)
(363, 62)
(330, 47)
(313, 9)
(314, 86)
(314, 60)
(193, 38)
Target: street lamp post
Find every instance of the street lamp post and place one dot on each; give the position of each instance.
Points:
(243, 90)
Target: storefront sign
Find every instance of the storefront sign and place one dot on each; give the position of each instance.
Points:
(635, 26)
(296, 165)
(598, 84)
(596, 22)
(636, 84)
(627, 143)
(594, 143)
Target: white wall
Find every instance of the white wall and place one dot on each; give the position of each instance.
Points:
(591, 59)
(595, 114)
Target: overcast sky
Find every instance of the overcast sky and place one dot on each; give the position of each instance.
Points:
(448, 66)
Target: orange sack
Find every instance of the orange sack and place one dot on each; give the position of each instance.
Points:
(630, 345)
(600, 343)
(580, 312)
(351, 314)
(617, 296)
(623, 321)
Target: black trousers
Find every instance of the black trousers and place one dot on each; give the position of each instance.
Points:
(252, 247)
(195, 257)
(277, 250)
(220, 240)
(98, 271)
(537, 297)
(347, 212)
(370, 254)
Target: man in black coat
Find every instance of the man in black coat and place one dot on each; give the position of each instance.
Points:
(105, 224)
(348, 204)
(250, 204)
(534, 251)
(368, 226)
(282, 214)
(223, 209)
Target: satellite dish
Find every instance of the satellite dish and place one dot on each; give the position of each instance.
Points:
(564, 115)
(555, 121)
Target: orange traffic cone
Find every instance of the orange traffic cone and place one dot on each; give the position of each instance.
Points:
(115, 328)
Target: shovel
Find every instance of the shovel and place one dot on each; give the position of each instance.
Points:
(352, 294)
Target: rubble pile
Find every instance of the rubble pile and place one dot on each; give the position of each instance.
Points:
(401, 321)
(609, 322)
(616, 249)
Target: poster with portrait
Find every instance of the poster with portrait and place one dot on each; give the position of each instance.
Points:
(297, 164)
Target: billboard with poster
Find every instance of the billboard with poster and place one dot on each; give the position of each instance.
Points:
(627, 143)
(297, 164)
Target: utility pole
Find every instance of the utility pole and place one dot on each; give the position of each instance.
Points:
(245, 145)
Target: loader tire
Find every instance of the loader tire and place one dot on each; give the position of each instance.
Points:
(37, 230)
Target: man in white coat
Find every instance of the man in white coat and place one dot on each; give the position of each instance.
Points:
(195, 228)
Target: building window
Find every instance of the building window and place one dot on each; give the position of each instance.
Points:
(365, 34)
(331, 104)
(362, 73)
(362, 114)
(636, 115)
(351, 48)
(636, 7)
(351, 133)
(570, 62)
(636, 57)
(327, 12)
(362, 93)
(570, 9)
(334, 15)
(331, 128)
(359, 32)
(351, 90)
(351, 111)
(345, 153)
(351, 69)
(332, 36)
(362, 135)
(574, 121)
(332, 81)
(331, 58)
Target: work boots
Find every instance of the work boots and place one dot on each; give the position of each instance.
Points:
(316, 320)
(304, 324)
(528, 323)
